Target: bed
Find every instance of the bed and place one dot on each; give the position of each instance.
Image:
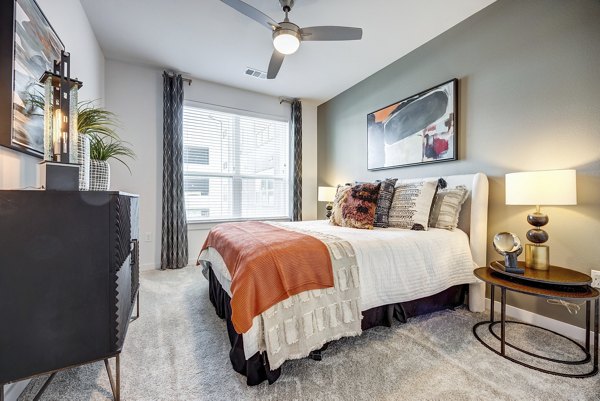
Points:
(403, 273)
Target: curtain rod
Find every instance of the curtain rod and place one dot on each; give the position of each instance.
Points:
(188, 80)
(286, 100)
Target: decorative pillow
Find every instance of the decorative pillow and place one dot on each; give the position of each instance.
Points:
(411, 205)
(358, 210)
(384, 202)
(340, 198)
(446, 207)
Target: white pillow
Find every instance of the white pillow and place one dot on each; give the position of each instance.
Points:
(411, 205)
(446, 207)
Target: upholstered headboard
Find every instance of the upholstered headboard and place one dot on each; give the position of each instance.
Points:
(473, 221)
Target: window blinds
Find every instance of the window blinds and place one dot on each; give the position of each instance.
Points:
(235, 166)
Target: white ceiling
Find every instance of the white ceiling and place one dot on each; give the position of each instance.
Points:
(209, 40)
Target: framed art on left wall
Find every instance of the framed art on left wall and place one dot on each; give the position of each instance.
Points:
(28, 47)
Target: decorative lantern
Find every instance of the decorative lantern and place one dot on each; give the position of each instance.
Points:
(60, 112)
(60, 168)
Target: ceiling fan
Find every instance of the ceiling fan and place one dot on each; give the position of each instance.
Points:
(287, 35)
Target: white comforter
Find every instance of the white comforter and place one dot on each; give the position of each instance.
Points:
(395, 265)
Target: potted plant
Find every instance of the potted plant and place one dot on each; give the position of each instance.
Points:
(104, 147)
(96, 125)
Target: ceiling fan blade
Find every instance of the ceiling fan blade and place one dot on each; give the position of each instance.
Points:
(331, 33)
(253, 13)
(275, 64)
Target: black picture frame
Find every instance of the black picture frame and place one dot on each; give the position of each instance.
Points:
(21, 123)
(419, 129)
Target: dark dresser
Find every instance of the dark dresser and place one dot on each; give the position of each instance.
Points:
(69, 278)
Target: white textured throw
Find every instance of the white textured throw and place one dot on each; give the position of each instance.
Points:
(307, 321)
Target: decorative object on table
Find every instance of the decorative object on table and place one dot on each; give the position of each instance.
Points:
(60, 168)
(552, 187)
(327, 194)
(28, 47)
(93, 120)
(103, 147)
(60, 112)
(83, 158)
(509, 246)
(417, 130)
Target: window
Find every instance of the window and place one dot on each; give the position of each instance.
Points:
(235, 166)
(196, 155)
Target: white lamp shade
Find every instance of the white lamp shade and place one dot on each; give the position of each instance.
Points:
(553, 187)
(326, 194)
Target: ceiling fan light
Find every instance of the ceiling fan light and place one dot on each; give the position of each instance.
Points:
(286, 41)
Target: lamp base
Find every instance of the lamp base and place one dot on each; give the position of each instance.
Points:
(537, 256)
(328, 208)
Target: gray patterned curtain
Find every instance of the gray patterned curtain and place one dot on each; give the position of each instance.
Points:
(174, 250)
(297, 131)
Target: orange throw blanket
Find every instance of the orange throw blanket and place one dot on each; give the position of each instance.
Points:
(267, 265)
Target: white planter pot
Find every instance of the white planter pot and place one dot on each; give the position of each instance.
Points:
(99, 175)
(83, 158)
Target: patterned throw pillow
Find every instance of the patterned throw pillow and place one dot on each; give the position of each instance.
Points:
(340, 198)
(446, 207)
(358, 210)
(384, 202)
(411, 205)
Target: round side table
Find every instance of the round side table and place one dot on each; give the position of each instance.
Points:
(555, 283)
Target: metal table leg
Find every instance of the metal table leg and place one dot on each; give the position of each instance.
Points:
(596, 324)
(503, 321)
(588, 307)
(492, 302)
(44, 387)
(115, 387)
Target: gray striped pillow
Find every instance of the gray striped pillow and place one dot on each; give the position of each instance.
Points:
(446, 207)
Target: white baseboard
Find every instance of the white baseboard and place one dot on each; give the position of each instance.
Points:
(149, 266)
(14, 390)
(152, 266)
(575, 332)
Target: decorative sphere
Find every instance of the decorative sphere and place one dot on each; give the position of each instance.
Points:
(505, 243)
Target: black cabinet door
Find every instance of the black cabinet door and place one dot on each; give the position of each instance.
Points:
(57, 284)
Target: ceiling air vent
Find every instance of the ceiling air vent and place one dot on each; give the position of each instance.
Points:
(253, 72)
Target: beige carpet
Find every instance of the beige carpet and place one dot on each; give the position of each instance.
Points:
(178, 350)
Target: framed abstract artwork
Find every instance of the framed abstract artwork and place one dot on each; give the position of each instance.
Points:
(28, 47)
(417, 130)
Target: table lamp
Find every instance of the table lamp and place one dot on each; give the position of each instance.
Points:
(553, 187)
(327, 194)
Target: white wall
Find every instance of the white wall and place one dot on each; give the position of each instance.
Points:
(18, 170)
(134, 93)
